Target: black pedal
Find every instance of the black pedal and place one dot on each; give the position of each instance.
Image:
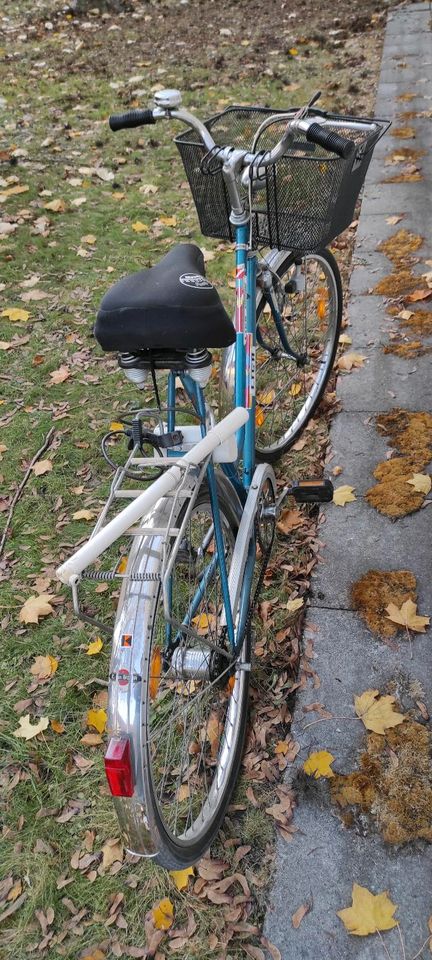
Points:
(312, 491)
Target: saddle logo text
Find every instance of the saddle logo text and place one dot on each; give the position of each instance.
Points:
(195, 280)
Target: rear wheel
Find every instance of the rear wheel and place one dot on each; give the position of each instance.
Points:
(194, 697)
(308, 292)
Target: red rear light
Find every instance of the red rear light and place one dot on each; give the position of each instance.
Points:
(118, 768)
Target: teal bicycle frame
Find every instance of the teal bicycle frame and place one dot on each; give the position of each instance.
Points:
(244, 395)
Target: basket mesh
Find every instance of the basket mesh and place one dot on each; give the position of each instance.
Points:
(301, 203)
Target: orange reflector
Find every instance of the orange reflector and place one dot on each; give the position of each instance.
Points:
(230, 685)
(155, 672)
(259, 416)
(321, 309)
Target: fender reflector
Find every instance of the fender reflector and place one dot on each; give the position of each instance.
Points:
(118, 768)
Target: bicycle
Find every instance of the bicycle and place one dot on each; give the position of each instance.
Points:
(185, 547)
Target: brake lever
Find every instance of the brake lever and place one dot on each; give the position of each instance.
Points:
(304, 110)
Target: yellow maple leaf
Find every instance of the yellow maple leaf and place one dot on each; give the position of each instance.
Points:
(115, 425)
(421, 482)
(94, 647)
(345, 339)
(89, 238)
(163, 914)
(28, 730)
(318, 764)
(343, 495)
(377, 713)
(369, 912)
(36, 607)
(168, 221)
(295, 389)
(15, 314)
(181, 877)
(407, 616)
(139, 227)
(266, 397)
(97, 719)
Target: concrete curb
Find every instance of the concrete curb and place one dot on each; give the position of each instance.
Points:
(325, 858)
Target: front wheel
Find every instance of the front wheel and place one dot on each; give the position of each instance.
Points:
(308, 293)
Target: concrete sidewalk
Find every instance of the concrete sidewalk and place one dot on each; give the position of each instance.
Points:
(326, 857)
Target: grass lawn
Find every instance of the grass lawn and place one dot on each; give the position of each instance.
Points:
(70, 194)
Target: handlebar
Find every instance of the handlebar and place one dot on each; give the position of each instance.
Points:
(134, 118)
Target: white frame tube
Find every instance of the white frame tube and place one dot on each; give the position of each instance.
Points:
(142, 505)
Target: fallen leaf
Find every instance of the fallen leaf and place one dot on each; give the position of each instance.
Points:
(377, 715)
(57, 206)
(97, 719)
(163, 914)
(419, 295)
(83, 515)
(421, 482)
(300, 913)
(349, 360)
(57, 726)
(13, 191)
(104, 174)
(89, 238)
(91, 739)
(41, 467)
(44, 667)
(36, 607)
(407, 616)
(140, 227)
(345, 339)
(296, 604)
(318, 764)
(112, 852)
(15, 314)
(34, 295)
(181, 877)
(94, 647)
(343, 495)
(168, 221)
(28, 730)
(60, 375)
(396, 218)
(368, 913)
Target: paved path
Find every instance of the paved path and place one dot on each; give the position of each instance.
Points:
(324, 859)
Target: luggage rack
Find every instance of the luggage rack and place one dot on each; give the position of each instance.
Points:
(171, 534)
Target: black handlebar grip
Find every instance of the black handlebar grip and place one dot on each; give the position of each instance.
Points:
(330, 141)
(134, 118)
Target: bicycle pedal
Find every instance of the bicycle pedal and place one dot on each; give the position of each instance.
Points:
(312, 491)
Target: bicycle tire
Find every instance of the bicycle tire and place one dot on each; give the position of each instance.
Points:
(174, 851)
(271, 452)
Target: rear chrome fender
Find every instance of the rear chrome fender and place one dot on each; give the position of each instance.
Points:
(131, 637)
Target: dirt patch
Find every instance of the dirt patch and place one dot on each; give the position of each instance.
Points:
(372, 594)
(419, 322)
(411, 435)
(407, 350)
(404, 155)
(400, 245)
(397, 284)
(393, 784)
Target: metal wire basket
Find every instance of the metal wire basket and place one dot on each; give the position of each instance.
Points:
(299, 203)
